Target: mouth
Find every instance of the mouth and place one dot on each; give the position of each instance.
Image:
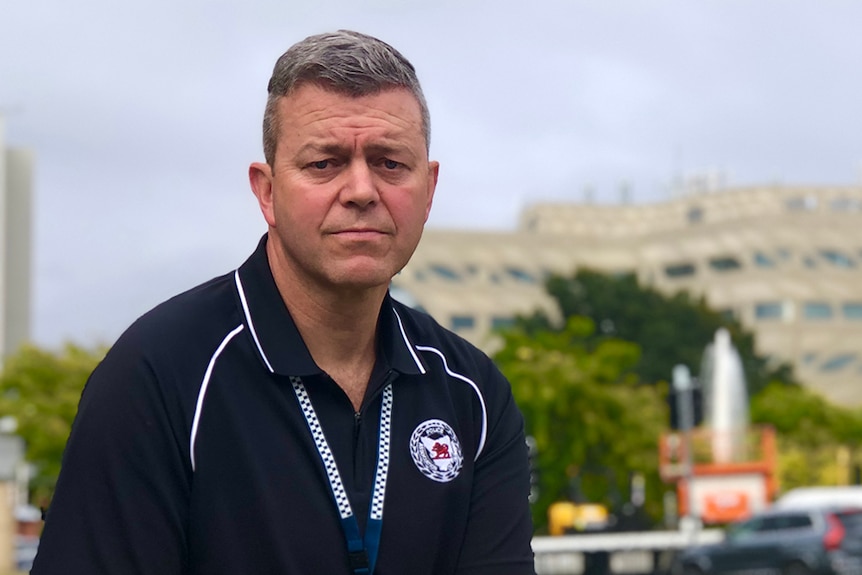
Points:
(360, 233)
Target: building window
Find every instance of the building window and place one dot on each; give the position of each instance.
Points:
(521, 275)
(723, 264)
(445, 272)
(762, 260)
(845, 205)
(837, 258)
(695, 215)
(501, 322)
(852, 310)
(679, 270)
(816, 310)
(838, 362)
(802, 203)
(461, 322)
(769, 310)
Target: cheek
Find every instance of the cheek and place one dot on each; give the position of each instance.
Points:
(409, 204)
(298, 209)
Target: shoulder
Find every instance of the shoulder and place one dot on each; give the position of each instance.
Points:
(182, 331)
(444, 349)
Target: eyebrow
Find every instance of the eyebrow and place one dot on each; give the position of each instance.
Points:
(317, 147)
(333, 149)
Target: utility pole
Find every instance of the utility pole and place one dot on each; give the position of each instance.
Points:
(684, 390)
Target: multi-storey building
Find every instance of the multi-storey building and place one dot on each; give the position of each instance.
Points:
(786, 261)
(15, 253)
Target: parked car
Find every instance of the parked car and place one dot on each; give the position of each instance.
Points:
(823, 496)
(822, 541)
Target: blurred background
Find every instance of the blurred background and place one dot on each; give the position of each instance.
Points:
(619, 182)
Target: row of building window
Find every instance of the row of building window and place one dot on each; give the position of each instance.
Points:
(726, 263)
(468, 322)
(766, 311)
(830, 364)
(814, 310)
(762, 259)
(811, 203)
(451, 274)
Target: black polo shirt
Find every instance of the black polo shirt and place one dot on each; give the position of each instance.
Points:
(191, 454)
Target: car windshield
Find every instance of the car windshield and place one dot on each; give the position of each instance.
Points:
(743, 528)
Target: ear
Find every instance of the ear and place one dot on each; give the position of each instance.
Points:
(260, 178)
(433, 172)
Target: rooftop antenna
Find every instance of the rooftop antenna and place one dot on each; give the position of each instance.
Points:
(677, 180)
(625, 192)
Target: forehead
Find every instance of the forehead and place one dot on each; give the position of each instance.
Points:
(314, 109)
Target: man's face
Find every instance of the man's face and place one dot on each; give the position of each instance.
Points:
(350, 188)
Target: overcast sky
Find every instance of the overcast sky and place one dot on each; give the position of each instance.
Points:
(143, 117)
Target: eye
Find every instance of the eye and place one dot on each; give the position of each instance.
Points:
(390, 164)
(321, 164)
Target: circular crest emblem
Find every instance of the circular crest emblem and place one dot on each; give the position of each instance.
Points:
(436, 450)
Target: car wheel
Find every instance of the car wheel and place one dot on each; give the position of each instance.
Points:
(796, 568)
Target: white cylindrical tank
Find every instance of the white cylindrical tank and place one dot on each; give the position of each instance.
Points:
(725, 397)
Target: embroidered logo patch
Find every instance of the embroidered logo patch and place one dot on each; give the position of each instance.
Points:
(436, 450)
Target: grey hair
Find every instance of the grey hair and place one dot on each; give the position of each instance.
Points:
(345, 62)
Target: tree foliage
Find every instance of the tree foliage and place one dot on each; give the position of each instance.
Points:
(584, 406)
(593, 392)
(817, 440)
(669, 329)
(41, 390)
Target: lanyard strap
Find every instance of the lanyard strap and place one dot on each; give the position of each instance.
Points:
(362, 551)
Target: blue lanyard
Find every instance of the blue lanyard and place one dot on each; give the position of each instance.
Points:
(362, 552)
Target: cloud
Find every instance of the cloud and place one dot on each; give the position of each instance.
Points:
(143, 118)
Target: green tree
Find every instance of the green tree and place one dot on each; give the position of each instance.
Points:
(669, 329)
(585, 407)
(556, 382)
(41, 390)
(812, 435)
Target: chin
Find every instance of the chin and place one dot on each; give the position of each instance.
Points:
(363, 274)
(362, 280)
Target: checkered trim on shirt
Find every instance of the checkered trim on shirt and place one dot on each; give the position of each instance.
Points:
(335, 483)
(382, 454)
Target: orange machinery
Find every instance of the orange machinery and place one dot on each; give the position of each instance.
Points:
(726, 488)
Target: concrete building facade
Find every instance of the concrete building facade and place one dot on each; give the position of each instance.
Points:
(16, 183)
(786, 261)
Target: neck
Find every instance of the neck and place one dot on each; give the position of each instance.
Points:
(339, 328)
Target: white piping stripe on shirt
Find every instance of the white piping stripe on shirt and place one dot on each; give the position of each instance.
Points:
(203, 391)
(248, 319)
(475, 388)
(408, 344)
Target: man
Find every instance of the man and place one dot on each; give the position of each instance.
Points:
(290, 417)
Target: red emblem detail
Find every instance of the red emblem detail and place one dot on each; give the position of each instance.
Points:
(441, 451)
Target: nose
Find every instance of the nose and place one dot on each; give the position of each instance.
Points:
(359, 188)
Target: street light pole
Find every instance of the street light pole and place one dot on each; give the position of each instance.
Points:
(684, 389)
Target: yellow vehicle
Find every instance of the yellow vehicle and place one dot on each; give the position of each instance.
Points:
(567, 517)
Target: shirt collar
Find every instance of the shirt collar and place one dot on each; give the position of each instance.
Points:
(278, 341)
